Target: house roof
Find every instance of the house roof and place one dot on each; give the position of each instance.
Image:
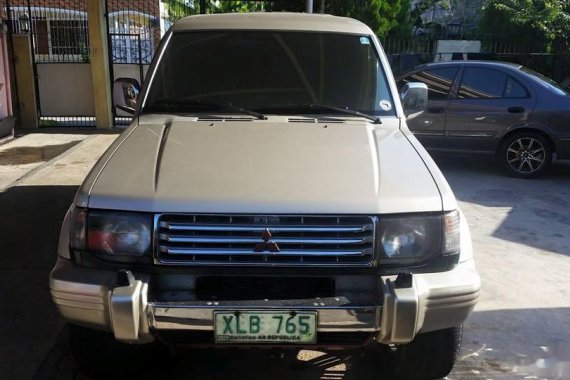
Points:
(272, 21)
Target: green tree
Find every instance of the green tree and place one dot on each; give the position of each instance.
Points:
(235, 6)
(542, 20)
(177, 9)
(380, 15)
(404, 21)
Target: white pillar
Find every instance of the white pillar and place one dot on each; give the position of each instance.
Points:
(309, 6)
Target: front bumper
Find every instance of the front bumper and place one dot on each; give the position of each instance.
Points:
(429, 302)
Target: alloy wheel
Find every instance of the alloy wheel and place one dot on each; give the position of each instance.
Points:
(526, 155)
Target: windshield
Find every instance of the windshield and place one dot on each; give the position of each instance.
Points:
(269, 72)
(553, 85)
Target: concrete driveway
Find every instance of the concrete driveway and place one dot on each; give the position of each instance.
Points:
(520, 329)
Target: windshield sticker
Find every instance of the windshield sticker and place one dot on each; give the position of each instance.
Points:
(364, 41)
(385, 105)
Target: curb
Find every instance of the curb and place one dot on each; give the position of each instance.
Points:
(7, 139)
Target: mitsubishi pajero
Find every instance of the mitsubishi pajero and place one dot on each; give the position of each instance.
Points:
(267, 193)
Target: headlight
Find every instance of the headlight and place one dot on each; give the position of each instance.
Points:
(416, 238)
(111, 233)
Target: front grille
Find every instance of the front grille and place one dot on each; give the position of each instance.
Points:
(264, 240)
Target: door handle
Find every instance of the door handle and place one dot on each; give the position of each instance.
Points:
(436, 109)
(515, 109)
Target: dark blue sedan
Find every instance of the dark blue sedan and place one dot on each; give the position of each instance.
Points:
(493, 108)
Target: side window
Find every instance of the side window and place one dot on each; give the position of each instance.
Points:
(482, 83)
(478, 83)
(514, 89)
(439, 81)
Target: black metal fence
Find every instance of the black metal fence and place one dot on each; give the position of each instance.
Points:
(58, 28)
(134, 30)
(59, 34)
(405, 54)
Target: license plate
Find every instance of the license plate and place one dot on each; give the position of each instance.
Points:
(265, 327)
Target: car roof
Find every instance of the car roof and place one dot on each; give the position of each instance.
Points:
(470, 63)
(272, 21)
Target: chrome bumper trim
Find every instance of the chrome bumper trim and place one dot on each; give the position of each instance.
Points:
(167, 316)
(434, 301)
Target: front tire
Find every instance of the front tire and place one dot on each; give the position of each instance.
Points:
(525, 155)
(430, 355)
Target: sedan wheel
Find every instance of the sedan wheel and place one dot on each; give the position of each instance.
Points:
(526, 155)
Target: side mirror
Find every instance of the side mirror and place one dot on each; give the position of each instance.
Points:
(414, 97)
(125, 93)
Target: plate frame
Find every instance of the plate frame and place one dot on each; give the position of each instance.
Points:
(286, 311)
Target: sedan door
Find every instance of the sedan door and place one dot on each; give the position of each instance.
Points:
(429, 126)
(488, 101)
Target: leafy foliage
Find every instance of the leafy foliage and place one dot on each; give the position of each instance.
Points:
(177, 9)
(237, 6)
(404, 21)
(548, 20)
(380, 15)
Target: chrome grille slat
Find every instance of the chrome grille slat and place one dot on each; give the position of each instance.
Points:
(264, 240)
(203, 227)
(254, 240)
(242, 252)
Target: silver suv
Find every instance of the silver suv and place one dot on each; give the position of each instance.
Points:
(267, 193)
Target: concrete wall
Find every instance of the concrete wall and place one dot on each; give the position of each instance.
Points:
(65, 89)
(446, 48)
(126, 70)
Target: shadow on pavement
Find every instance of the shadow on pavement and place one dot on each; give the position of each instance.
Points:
(29, 229)
(499, 344)
(23, 155)
(518, 343)
(538, 209)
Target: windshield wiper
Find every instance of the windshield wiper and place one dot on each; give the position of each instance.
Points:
(165, 103)
(310, 106)
(348, 111)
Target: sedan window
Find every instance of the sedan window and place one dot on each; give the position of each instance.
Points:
(545, 81)
(481, 83)
(439, 81)
(514, 89)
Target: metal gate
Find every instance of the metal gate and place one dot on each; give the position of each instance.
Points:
(59, 36)
(134, 32)
(60, 58)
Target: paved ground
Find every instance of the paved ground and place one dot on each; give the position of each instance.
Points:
(520, 330)
(21, 156)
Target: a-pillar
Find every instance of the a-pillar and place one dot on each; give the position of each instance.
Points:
(99, 55)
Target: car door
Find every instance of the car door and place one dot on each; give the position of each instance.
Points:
(429, 126)
(488, 101)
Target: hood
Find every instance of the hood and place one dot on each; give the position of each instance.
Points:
(276, 167)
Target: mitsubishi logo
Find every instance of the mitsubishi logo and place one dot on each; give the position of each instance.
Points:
(268, 244)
